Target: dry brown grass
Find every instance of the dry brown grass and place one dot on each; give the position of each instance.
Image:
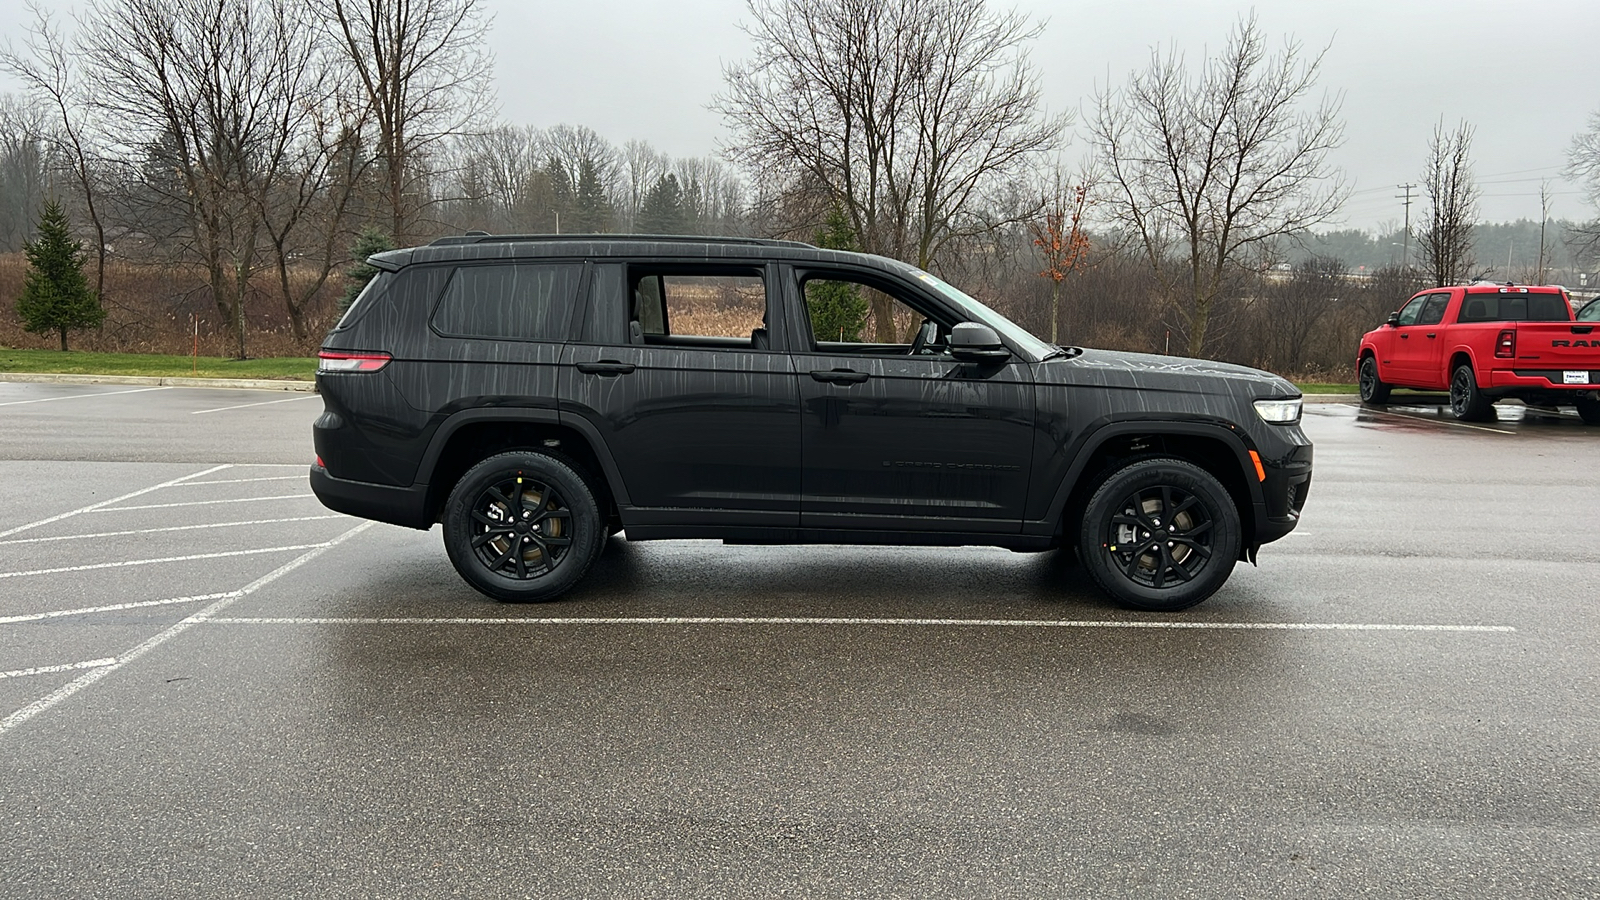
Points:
(148, 309)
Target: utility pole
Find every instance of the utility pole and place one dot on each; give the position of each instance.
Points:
(1405, 260)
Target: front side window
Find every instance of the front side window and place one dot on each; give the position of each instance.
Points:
(1408, 315)
(509, 301)
(855, 315)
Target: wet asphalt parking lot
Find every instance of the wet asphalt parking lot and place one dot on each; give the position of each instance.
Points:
(211, 686)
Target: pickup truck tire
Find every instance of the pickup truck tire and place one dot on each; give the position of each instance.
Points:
(523, 526)
(1160, 534)
(1374, 390)
(1467, 402)
(1588, 411)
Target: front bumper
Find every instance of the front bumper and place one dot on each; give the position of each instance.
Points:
(1283, 491)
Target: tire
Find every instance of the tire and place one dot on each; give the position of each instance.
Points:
(559, 526)
(1124, 526)
(1374, 390)
(1588, 411)
(1467, 401)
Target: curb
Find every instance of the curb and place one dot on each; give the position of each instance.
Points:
(249, 384)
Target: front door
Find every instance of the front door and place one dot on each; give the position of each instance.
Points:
(1414, 347)
(896, 434)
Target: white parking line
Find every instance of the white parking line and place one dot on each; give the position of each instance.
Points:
(207, 527)
(200, 503)
(94, 506)
(245, 480)
(201, 412)
(113, 607)
(811, 620)
(84, 396)
(82, 681)
(164, 559)
(68, 667)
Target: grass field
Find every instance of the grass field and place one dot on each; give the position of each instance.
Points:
(80, 363)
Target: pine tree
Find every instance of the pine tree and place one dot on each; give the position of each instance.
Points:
(838, 312)
(662, 211)
(593, 212)
(55, 295)
(370, 240)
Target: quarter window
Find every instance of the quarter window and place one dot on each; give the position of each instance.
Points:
(509, 301)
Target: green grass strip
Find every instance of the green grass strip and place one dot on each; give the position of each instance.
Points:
(155, 365)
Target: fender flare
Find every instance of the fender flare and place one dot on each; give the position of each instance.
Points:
(519, 414)
(1091, 443)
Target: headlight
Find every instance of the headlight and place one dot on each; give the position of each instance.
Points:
(1279, 412)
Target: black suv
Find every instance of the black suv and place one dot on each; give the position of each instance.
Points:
(537, 393)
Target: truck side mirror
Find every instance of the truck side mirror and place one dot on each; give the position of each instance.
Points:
(974, 342)
(1394, 318)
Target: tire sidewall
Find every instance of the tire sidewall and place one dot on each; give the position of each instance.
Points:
(1226, 530)
(1375, 391)
(588, 529)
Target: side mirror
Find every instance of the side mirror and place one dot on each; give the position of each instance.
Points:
(1394, 318)
(972, 342)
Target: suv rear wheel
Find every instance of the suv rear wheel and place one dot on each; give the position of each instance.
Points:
(1160, 534)
(522, 526)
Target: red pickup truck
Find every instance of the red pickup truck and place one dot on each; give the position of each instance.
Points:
(1485, 342)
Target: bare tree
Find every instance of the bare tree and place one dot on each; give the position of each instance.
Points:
(1445, 237)
(23, 170)
(1583, 167)
(48, 67)
(640, 165)
(906, 114)
(203, 88)
(1205, 170)
(424, 71)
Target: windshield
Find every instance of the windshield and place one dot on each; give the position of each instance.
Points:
(1590, 311)
(981, 314)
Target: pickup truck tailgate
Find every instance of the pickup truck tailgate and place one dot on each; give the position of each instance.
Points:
(1567, 353)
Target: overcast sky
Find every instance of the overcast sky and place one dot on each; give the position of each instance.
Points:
(1526, 74)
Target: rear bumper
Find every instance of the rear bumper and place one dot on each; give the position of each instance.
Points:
(384, 503)
(1511, 380)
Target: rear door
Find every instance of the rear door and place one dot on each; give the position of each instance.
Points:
(693, 394)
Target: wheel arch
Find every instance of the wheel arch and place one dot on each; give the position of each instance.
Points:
(469, 436)
(1218, 449)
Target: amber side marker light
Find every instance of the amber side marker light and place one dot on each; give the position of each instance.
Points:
(1261, 472)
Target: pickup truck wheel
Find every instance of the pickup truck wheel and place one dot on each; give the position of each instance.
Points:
(1589, 411)
(1374, 390)
(522, 526)
(1160, 534)
(1467, 402)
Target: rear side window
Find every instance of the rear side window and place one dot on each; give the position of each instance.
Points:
(1433, 310)
(1514, 308)
(509, 301)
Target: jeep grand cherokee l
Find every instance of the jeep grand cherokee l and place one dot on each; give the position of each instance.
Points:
(535, 393)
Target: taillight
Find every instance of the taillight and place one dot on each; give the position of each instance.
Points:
(336, 361)
(1505, 346)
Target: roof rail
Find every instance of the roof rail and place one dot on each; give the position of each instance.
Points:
(480, 237)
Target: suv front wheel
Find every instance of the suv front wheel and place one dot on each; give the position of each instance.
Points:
(522, 526)
(1160, 534)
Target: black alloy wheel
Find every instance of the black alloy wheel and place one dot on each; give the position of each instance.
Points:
(1373, 389)
(522, 526)
(1160, 534)
(1467, 401)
